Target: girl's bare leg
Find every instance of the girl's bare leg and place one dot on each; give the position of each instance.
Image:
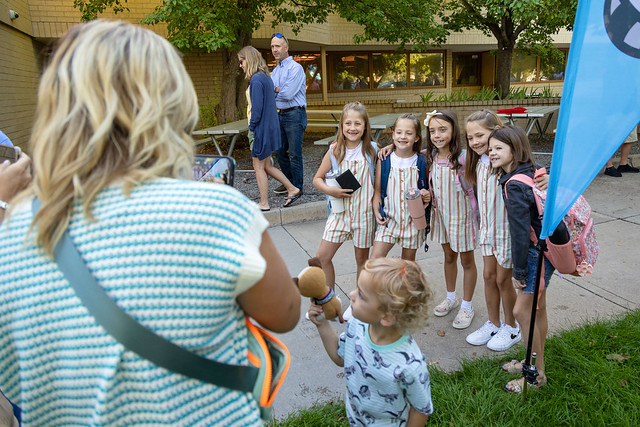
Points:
(507, 293)
(470, 274)
(380, 249)
(450, 267)
(491, 290)
(325, 254)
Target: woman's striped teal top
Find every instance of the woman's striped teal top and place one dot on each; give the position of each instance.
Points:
(174, 256)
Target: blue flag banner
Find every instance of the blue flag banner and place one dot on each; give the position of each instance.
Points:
(600, 100)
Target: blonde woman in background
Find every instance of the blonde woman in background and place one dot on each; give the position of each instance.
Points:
(111, 145)
(264, 126)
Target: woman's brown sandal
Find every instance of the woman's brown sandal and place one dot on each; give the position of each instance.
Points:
(513, 367)
(515, 386)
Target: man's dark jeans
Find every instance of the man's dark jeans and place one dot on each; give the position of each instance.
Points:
(292, 126)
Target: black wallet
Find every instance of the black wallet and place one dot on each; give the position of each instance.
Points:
(347, 180)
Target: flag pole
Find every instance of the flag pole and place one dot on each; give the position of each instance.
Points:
(529, 370)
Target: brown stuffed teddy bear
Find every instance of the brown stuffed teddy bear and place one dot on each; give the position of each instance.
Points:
(312, 283)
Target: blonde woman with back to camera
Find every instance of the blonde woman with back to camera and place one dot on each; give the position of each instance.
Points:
(111, 149)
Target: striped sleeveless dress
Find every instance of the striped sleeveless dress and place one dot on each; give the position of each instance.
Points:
(400, 230)
(452, 217)
(494, 237)
(356, 221)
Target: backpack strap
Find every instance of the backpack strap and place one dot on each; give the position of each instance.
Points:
(371, 162)
(527, 180)
(385, 169)
(335, 168)
(423, 182)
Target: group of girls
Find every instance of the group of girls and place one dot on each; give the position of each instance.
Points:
(467, 209)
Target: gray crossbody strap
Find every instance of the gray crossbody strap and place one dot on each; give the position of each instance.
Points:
(135, 336)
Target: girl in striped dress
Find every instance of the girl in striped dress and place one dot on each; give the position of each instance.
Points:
(397, 227)
(494, 237)
(453, 220)
(354, 150)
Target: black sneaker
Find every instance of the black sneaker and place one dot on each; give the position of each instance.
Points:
(611, 171)
(280, 190)
(628, 168)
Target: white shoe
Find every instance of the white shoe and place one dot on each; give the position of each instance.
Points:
(445, 307)
(463, 319)
(505, 338)
(482, 335)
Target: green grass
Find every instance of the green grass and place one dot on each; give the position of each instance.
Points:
(593, 380)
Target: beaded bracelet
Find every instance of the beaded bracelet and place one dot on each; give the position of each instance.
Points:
(324, 299)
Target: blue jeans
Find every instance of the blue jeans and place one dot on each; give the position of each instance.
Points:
(292, 126)
(532, 267)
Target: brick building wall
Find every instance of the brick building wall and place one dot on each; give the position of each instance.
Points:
(19, 72)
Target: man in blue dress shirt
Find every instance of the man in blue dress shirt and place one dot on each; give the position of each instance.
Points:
(290, 85)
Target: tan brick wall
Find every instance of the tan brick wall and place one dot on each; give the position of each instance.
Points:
(205, 71)
(339, 32)
(19, 75)
(52, 18)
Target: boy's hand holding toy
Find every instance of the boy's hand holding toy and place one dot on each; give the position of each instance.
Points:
(312, 283)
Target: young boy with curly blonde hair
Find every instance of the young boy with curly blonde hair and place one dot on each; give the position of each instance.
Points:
(386, 372)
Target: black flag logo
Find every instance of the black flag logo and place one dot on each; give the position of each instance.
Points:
(622, 21)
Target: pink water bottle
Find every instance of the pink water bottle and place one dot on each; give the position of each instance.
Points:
(416, 208)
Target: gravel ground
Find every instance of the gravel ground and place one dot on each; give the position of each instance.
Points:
(312, 154)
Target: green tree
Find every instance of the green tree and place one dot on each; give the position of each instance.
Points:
(523, 24)
(201, 26)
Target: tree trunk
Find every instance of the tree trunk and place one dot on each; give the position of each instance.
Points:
(503, 69)
(233, 102)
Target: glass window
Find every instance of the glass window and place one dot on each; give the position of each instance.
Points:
(523, 68)
(466, 68)
(350, 71)
(427, 69)
(311, 63)
(553, 68)
(389, 70)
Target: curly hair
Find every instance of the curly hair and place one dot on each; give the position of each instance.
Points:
(115, 103)
(403, 291)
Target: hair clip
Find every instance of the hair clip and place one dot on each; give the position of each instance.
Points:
(429, 116)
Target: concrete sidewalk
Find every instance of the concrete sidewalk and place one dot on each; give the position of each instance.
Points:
(612, 289)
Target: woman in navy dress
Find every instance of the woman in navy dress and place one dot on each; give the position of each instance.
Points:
(263, 124)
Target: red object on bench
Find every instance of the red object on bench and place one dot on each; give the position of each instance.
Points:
(516, 110)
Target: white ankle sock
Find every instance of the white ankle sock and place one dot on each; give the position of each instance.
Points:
(466, 305)
(451, 296)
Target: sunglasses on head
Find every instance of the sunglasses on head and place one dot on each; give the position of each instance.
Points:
(280, 36)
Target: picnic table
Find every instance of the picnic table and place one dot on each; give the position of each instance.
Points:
(313, 120)
(231, 129)
(377, 123)
(234, 129)
(533, 116)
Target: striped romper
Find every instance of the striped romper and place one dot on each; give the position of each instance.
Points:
(452, 217)
(356, 221)
(400, 230)
(494, 237)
